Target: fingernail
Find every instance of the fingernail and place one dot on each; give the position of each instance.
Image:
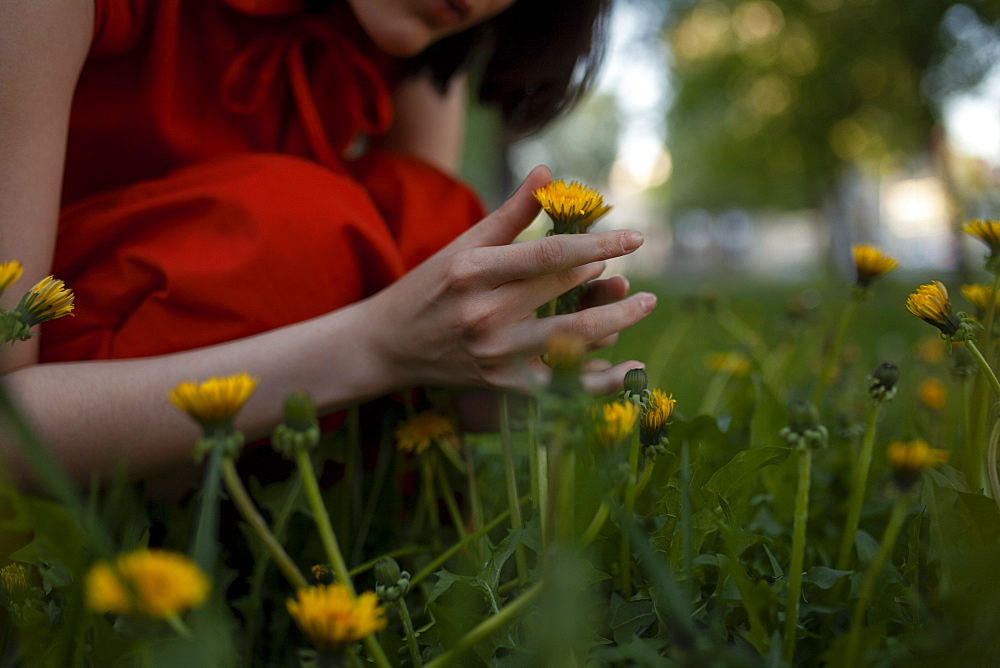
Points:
(631, 240)
(648, 301)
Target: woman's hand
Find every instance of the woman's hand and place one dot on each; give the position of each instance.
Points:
(466, 316)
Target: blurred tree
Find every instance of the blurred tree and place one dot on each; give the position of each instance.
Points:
(774, 98)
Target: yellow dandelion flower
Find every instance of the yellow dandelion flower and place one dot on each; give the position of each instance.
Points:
(657, 408)
(47, 300)
(573, 207)
(987, 231)
(155, 583)
(930, 303)
(333, 618)
(871, 263)
(9, 273)
(14, 580)
(615, 422)
(216, 401)
(732, 363)
(932, 394)
(979, 296)
(909, 458)
(423, 430)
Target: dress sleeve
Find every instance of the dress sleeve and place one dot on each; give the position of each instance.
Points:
(117, 25)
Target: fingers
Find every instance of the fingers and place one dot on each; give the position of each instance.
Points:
(553, 254)
(607, 380)
(503, 225)
(594, 324)
(525, 296)
(605, 291)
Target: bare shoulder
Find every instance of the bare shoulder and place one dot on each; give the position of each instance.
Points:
(43, 44)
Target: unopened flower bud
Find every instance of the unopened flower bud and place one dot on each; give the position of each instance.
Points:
(322, 573)
(635, 381)
(299, 429)
(803, 430)
(882, 382)
(299, 411)
(386, 571)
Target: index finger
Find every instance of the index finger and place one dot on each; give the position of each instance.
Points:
(553, 254)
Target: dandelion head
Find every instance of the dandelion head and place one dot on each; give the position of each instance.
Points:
(9, 273)
(423, 430)
(979, 295)
(332, 617)
(931, 304)
(932, 393)
(573, 207)
(14, 580)
(615, 422)
(908, 459)
(215, 402)
(987, 231)
(657, 408)
(47, 300)
(155, 583)
(871, 263)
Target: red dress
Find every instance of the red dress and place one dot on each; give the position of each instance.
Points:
(207, 195)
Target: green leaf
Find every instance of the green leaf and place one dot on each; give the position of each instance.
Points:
(743, 468)
(824, 577)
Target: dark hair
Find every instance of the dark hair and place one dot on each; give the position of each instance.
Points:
(534, 61)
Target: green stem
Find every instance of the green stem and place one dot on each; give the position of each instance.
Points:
(973, 458)
(647, 475)
(430, 498)
(991, 377)
(411, 635)
(600, 517)
(991, 310)
(551, 483)
(487, 627)
(859, 484)
(991, 463)
(871, 576)
(798, 555)
(449, 501)
(327, 537)
(459, 546)
(533, 453)
(510, 476)
(628, 494)
(830, 363)
(686, 533)
(713, 393)
(205, 544)
(395, 554)
(178, 625)
(567, 497)
(241, 499)
(330, 544)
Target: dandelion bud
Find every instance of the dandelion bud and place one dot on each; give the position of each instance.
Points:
(391, 583)
(299, 429)
(882, 382)
(804, 429)
(14, 581)
(386, 571)
(635, 381)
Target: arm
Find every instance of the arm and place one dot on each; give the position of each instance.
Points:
(427, 124)
(463, 317)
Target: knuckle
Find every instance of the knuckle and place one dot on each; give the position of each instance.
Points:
(462, 271)
(474, 318)
(549, 253)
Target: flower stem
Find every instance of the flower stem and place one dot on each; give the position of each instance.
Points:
(329, 540)
(243, 502)
(628, 500)
(973, 458)
(991, 463)
(411, 635)
(871, 575)
(830, 363)
(330, 544)
(430, 498)
(449, 501)
(459, 546)
(600, 517)
(488, 626)
(991, 377)
(798, 555)
(686, 534)
(205, 544)
(516, 521)
(178, 625)
(859, 485)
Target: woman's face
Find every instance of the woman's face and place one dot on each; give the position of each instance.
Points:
(404, 28)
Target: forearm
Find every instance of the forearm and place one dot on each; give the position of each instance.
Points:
(93, 415)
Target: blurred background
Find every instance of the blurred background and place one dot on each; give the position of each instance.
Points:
(761, 138)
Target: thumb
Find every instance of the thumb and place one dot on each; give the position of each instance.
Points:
(503, 225)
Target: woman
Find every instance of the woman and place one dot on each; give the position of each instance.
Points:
(212, 222)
